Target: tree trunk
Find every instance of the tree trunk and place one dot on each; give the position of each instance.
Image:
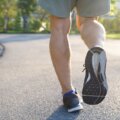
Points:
(25, 23)
(6, 19)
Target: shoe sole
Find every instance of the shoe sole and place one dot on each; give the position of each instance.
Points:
(75, 109)
(94, 90)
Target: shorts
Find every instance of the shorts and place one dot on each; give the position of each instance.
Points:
(85, 8)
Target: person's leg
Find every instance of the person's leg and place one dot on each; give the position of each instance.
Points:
(60, 51)
(60, 54)
(95, 83)
(92, 32)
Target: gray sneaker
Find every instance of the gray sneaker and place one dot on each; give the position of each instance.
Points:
(95, 83)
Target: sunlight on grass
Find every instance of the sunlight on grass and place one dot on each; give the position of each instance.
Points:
(113, 36)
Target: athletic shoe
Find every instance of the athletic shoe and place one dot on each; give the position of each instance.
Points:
(72, 101)
(95, 84)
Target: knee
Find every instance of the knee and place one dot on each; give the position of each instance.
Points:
(60, 26)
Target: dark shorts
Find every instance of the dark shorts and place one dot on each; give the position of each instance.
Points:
(85, 8)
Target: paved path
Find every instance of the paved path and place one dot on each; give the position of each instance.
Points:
(29, 89)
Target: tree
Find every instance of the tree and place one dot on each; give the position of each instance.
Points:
(7, 10)
(113, 7)
(26, 7)
(43, 18)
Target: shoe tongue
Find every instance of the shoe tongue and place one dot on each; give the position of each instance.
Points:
(70, 92)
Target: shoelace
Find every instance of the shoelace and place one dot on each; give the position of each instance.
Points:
(84, 68)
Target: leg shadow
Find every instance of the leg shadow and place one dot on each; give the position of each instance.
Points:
(62, 114)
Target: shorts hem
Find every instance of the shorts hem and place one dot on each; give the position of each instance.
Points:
(51, 12)
(93, 15)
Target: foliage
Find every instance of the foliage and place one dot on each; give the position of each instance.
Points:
(8, 7)
(112, 25)
(34, 25)
(113, 36)
(18, 26)
(27, 16)
(113, 7)
(26, 6)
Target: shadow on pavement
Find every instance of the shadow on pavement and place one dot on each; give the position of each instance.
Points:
(62, 114)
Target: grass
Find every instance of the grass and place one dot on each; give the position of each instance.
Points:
(113, 36)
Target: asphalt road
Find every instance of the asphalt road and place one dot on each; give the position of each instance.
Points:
(29, 89)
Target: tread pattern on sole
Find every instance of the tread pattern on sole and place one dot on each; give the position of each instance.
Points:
(94, 90)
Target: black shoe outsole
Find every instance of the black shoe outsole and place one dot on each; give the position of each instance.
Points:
(92, 100)
(94, 91)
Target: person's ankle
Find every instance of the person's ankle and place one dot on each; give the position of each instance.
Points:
(67, 90)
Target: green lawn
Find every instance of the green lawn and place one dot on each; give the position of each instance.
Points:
(113, 36)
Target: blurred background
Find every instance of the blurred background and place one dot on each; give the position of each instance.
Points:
(26, 16)
(28, 85)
